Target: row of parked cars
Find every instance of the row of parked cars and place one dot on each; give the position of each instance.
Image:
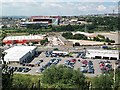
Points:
(53, 61)
(70, 63)
(16, 69)
(87, 66)
(51, 54)
(32, 65)
(105, 66)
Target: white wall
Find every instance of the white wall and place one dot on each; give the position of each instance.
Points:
(103, 53)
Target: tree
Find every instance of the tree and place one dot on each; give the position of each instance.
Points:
(56, 49)
(69, 28)
(103, 82)
(117, 82)
(63, 76)
(42, 42)
(107, 40)
(96, 39)
(77, 44)
(67, 35)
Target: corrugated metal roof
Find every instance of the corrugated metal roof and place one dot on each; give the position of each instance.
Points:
(30, 37)
(17, 52)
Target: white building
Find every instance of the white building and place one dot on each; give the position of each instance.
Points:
(19, 54)
(103, 54)
(60, 52)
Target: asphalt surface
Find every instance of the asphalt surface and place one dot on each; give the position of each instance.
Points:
(76, 66)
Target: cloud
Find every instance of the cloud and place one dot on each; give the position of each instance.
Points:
(59, 1)
(82, 8)
(101, 8)
(55, 8)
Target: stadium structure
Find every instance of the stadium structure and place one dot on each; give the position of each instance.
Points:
(43, 21)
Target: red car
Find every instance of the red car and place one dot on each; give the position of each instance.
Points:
(73, 60)
(102, 64)
(85, 62)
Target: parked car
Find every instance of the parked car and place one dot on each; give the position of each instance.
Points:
(83, 69)
(67, 62)
(90, 70)
(31, 65)
(117, 61)
(90, 63)
(73, 60)
(19, 69)
(26, 70)
(55, 62)
(84, 62)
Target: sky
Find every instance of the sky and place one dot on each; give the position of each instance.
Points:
(56, 7)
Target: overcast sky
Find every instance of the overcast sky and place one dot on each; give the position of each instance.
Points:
(56, 7)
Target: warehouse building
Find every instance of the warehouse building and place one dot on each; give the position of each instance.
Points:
(103, 54)
(22, 39)
(20, 54)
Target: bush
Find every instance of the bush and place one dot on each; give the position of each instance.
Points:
(63, 76)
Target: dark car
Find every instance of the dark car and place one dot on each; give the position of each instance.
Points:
(41, 60)
(26, 70)
(117, 62)
(90, 63)
(90, 70)
(15, 68)
(19, 69)
(48, 64)
(31, 65)
(25, 64)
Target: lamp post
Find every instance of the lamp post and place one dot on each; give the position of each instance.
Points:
(85, 25)
(114, 77)
(104, 24)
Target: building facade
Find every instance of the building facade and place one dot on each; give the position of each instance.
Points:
(103, 54)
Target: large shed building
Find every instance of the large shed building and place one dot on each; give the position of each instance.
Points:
(103, 54)
(22, 39)
(20, 54)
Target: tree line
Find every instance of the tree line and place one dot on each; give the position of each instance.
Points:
(101, 38)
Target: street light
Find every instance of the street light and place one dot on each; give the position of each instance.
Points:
(104, 24)
(85, 25)
(114, 77)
